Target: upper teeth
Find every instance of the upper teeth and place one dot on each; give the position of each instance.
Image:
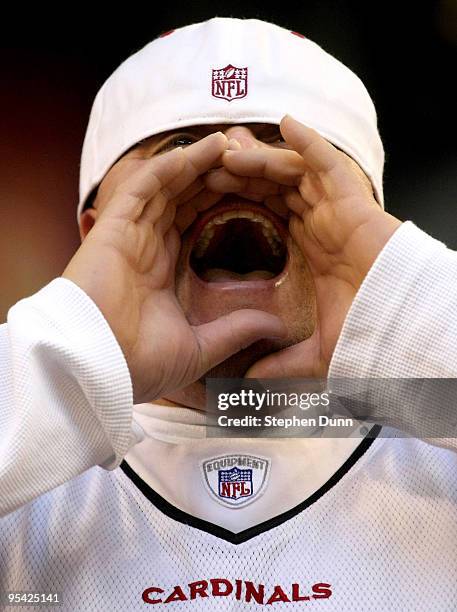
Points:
(268, 230)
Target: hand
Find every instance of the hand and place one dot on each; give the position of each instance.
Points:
(339, 227)
(126, 265)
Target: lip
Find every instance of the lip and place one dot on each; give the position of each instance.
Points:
(228, 204)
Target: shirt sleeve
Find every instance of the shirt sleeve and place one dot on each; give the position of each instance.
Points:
(402, 326)
(65, 394)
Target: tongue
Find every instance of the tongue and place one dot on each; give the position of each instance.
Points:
(219, 275)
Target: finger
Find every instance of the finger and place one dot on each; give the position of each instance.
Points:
(166, 220)
(339, 175)
(251, 195)
(190, 192)
(301, 232)
(187, 213)
(296, 361)
(198, 158)
(277, 204)
(223, 181)
(312, 187)
(318, 153)
(295, 202)
(172, 244)
(233, 145)
(233, 332)
(132, 195)
(279, 165)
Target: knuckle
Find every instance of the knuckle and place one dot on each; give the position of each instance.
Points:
(137, 195)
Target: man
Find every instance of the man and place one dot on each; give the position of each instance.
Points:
(215, 243)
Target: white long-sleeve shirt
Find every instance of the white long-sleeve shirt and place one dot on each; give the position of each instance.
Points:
(110, 505)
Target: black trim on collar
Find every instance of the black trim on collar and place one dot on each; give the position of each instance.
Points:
(238, 538)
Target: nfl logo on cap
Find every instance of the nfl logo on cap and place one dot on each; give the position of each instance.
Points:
(230, 83)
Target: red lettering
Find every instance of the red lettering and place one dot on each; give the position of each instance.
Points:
(243, 590)
(240, 88)
(230, 86)
(198, 588)
(147, 592)
(219, 88)
(321, 590)
(244, 489)
(216, 584)
(296, 594)
(230, 489)
(253, 593)
(225, 489)
(239, 586)
(176, 595)
(278, 595)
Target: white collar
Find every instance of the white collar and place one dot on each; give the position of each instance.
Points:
(175, 447)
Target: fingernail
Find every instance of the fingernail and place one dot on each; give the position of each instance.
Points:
(214, 134)
(233, 144)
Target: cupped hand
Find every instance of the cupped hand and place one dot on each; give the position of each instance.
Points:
(126, 265)
(339, 227)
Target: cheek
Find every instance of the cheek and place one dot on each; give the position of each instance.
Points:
(298, 298)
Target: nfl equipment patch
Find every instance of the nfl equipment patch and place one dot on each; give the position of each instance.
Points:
(230, 83)
(236, 480)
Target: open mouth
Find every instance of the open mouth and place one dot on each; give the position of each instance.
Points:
(239, 243)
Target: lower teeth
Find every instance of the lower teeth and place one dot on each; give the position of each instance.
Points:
(219, 275)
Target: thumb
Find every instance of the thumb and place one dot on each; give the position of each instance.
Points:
(231, 333)
(296, 361)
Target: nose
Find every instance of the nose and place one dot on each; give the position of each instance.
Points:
(244, 136)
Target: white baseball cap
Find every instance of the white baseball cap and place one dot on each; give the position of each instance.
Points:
(229, 71)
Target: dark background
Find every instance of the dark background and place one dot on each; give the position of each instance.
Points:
(54, 63)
